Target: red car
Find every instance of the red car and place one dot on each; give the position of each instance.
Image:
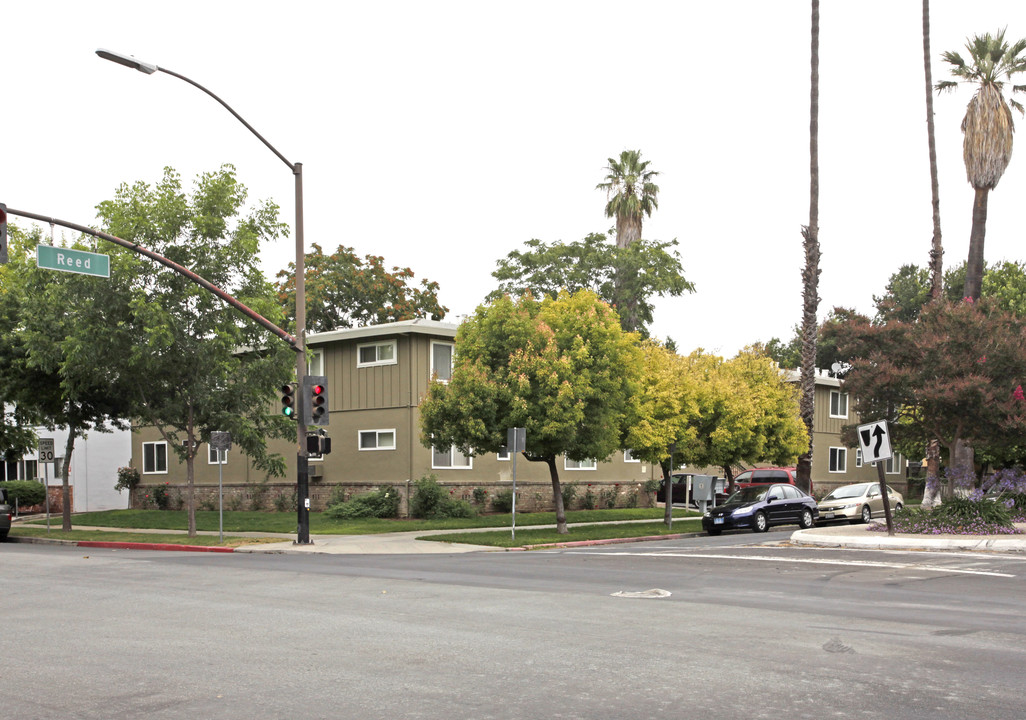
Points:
(765, 476)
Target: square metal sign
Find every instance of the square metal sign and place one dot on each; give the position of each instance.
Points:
(875, 441)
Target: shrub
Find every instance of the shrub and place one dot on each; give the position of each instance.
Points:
(160, 497)
(258, 496)
(588, 501)
(480, 496)
(431, 501)
(632, 499)
(607, 496)
(128, 478)
(286, 502)
(569, 493)
(382, 503)
(957, 516)
(27, 492)
(502, 502)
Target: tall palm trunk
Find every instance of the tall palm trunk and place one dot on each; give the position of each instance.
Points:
(974, 267)
(810, 274)
(936, 248)
(930, 491)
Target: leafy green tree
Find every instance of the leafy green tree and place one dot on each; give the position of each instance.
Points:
(631, 194)
(987, 129)
(624, 277)
(908, 290)
(72, 343)
(343, 291)
(560, 367)
(199, 366)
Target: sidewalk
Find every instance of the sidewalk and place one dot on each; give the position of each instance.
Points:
(859, 536)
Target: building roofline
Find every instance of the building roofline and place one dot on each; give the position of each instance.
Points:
(823, 377)
(419, 326)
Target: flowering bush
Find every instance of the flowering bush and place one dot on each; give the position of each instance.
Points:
(128, 478)
(973, 515)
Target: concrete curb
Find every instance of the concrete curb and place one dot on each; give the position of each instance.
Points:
(882, 541)
(606, 541)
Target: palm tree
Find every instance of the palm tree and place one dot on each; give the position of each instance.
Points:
(987, 127)
(631, 194)
(810, 273)
(930, 496)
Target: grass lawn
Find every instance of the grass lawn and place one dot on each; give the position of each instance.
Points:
(21, 530)
(546, 536)
(320, 524)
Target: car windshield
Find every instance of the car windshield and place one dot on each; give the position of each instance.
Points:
(848, 491)
(749, 494)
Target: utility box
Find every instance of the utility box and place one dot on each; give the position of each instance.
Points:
(702, 488)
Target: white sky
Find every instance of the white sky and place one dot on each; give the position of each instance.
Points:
(443, 135)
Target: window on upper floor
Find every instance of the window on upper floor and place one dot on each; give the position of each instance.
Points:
(377, 439)
(315, 366)
(838, 404)
(379, 353)
(155, 458)
(441, 361)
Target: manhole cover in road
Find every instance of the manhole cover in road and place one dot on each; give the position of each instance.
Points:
(653, 593)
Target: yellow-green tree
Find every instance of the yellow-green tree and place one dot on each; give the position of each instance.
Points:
(560, 367)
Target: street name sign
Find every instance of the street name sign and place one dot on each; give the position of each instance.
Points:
(74, 261)
(875, 440)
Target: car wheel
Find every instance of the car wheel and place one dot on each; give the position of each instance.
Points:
(714, 531)
(759, 523)
(867, 514)
(897, 507)
(805, 521)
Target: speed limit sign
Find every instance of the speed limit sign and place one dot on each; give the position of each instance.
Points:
(46, 453)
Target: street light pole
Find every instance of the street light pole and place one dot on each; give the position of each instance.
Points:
(302, 463)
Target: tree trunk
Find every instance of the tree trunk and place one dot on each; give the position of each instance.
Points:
(931, 495)
(668, 487)
(69, 447)
(974, 266)
(937, 248)
(810, 274)
(557, 497)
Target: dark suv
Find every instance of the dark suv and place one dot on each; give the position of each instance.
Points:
(5, 515)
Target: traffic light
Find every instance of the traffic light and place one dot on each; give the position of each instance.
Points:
(315, 405)
(318, 444)
(288, 400)
(3, 233)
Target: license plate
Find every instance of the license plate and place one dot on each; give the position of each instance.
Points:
(717, 521)
(828, 516)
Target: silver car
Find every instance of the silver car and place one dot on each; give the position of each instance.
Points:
(858, 503)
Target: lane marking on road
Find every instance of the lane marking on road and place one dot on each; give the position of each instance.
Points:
(811, 561)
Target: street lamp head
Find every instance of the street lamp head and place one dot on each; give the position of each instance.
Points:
(127, 61)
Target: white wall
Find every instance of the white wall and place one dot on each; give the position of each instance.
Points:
(94, 467)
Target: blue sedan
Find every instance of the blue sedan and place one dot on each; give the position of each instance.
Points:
(760, 506)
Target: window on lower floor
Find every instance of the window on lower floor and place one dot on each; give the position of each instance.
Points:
(838, 459)
(213, 459)
(451, 458)
(155, 458)
(628, 456)
(377, 439)
(579, 464)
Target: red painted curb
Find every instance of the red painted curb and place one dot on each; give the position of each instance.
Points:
(152, 546)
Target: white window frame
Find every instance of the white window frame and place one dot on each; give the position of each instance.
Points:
(502, 456)
(212, 455)
(842, 455)
(377, 362)
(315, 366)
(451, 466)
(892, 465)
(839, 395)
(858, 457)
(580, 464)
(628, 457)
(377, 440)
(166, 463)
(452, 357)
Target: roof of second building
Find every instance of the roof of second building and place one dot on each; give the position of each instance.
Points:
(419, 326)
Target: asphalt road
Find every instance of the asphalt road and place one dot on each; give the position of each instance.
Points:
(748, 630)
